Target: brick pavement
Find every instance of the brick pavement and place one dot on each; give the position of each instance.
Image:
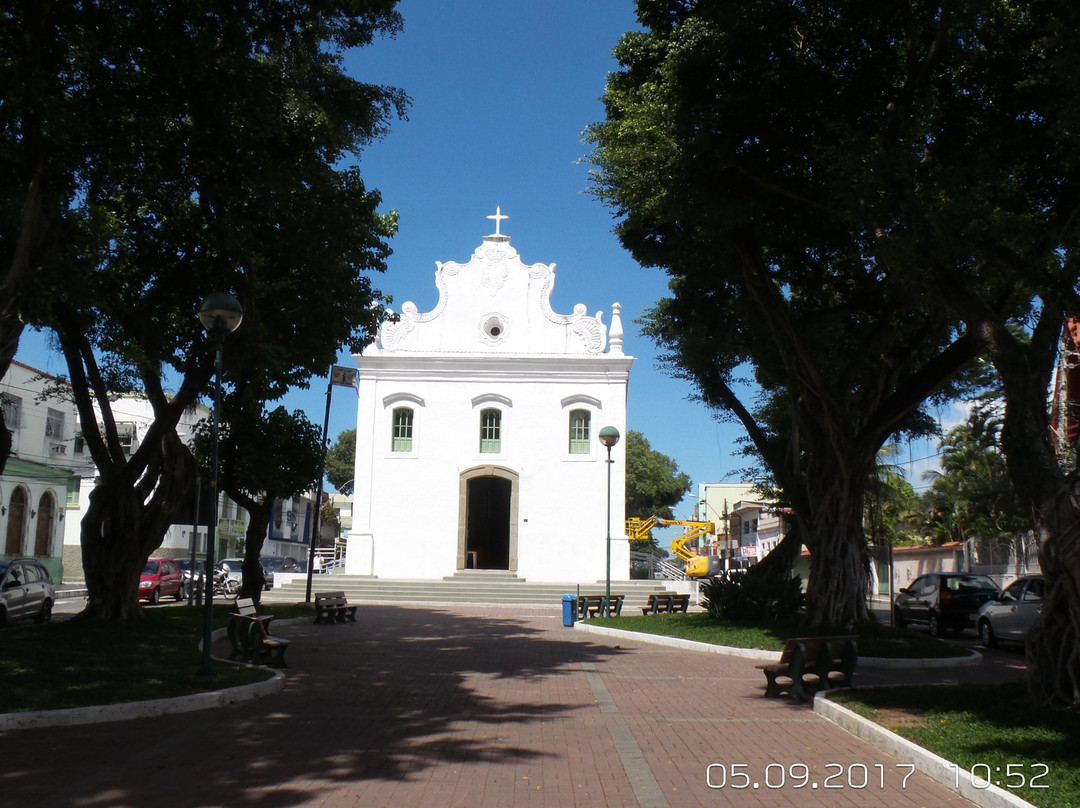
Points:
(443, 706)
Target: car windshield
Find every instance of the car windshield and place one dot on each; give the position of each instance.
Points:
(273, 564)
(961, 582)
(150, 568)
(4, 567)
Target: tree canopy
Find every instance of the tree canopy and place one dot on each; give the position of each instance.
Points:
(852, 201)
(341, 462)
(153, 154)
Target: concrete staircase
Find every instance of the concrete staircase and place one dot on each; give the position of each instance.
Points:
(470, 586)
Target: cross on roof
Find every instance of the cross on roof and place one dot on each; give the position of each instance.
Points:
(498, 217)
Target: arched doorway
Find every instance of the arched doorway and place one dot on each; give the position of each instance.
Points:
(16, 522)
(46, 518)
(487, 519)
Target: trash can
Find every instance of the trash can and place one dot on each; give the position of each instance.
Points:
(569, 609)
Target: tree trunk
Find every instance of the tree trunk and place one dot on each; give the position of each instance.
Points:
(1053, 645)
(839, 582)
(258, 522)
(112, 557)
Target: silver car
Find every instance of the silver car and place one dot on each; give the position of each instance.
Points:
(26, 590)
(1011, 614)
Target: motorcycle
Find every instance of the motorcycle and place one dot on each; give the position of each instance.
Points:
(223, 584)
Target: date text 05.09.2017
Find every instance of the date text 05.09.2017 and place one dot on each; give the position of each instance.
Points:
(799, 775)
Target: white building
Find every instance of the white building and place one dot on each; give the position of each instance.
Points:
(39, 489)
(476, 440)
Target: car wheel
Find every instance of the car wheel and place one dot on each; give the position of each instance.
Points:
(986, 634)
(155, 597)
(898, 619)
(935, 625)
(45, 612)
(181, 593)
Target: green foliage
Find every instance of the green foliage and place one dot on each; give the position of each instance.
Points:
(653, 485)
(893, 514)
(153, 153)
(341, 462)
(973, 496)
(746, 596)
(843, 197)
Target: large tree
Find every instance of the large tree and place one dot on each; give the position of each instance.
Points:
(758, 153)
(196, 147)
(341, 462)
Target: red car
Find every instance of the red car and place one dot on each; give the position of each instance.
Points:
(161, 577)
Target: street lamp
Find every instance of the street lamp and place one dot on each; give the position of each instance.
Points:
(609, 436)
(220, 314)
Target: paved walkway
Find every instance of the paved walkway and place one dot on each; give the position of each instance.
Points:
(470, 706)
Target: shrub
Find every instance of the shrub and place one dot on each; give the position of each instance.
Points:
(746, 596)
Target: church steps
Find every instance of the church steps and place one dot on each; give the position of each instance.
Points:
(463, 589)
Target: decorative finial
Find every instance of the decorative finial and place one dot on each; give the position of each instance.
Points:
(615, 333)
(498, 217)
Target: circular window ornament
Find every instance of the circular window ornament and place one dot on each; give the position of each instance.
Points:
(492, 328)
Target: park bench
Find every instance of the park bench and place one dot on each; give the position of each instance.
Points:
(808, 664)
(592, 605)
(662, 602)
(249, 633)
(331, 607)
(237, 628)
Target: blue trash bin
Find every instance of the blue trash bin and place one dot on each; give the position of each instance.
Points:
(569, 609)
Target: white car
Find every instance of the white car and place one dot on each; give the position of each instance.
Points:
(26, 590)
(1010, 614)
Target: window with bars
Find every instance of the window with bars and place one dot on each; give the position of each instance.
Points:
(490, 431)
(403, 430)
(12, 410)
(580, 421)
(54, 424)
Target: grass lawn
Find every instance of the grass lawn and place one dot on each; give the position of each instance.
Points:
(875, 640)
(992, 730)
(69, 663)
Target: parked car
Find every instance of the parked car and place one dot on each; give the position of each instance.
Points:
(276, 564)
(26, 590)
(1011, 614)
(161, 577)
(943, 601)
(186, 568)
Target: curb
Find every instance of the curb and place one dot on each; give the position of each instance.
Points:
(933, 766)
(974, 658)
(100, 714)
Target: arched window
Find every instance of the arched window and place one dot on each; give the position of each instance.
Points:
(580, 421)
(16, 525)
(403, 430)
(45, 520)
(490, 431)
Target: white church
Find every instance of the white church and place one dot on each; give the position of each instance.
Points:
(476, 433)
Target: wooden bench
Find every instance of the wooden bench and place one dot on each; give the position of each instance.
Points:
(666, 602)
(593, 605)
(808, 664)
(264, 649)
(249, 633)
(332, 607)
(236, 628)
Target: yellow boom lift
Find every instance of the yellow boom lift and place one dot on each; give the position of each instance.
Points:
(696, 566)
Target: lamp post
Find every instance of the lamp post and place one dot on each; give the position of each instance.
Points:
(609, 436)
(220, 314)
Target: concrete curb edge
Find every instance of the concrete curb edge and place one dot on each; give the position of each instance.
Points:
(926, 762)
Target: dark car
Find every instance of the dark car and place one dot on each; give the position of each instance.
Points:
(944, 601)
(26, 590)
(1010, 614)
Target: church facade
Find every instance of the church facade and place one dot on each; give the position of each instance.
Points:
(476, 439)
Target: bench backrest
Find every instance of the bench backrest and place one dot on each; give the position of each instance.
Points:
(245, 607)
(813, 646)
(326, 595)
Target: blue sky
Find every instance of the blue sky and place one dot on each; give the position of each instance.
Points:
(501, 93)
